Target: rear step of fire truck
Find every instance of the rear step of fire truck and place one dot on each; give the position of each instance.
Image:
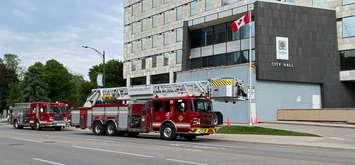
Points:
(197, 88)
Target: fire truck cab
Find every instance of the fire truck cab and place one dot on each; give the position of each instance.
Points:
(37, 115)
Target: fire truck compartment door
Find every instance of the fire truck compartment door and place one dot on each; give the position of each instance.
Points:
(123, 118)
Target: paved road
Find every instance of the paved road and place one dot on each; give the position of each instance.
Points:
(73, 147)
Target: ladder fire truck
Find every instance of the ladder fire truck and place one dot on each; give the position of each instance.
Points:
(38, 115)
(178, 109)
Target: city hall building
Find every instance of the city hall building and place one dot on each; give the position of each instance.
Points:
(302, 52)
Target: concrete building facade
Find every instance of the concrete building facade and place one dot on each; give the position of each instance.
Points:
(169, 41)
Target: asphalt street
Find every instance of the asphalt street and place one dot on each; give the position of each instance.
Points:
(76, 147)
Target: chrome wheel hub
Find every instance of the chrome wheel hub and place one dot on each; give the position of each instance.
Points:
(167, 132)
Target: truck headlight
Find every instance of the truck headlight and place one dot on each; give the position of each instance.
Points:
(196, 122)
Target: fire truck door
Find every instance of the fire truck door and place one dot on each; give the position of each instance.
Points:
(161, 112)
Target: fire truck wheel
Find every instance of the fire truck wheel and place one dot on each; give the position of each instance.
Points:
(111, 129)
(37, 125)
(17, 125)
(99, 129)
(168, 132)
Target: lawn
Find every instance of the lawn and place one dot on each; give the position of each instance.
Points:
(259, 131)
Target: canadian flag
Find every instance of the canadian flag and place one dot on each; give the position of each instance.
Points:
(236, 25)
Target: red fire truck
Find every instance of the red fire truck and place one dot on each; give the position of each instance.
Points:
(37, 115)
(179, 109)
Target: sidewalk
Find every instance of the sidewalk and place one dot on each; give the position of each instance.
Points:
(281, 140)
(324, 124)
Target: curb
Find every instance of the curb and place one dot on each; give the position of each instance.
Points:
(312, 124)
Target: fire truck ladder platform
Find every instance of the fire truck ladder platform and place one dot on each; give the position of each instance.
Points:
(196, 88)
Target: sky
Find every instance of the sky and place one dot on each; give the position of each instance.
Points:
(39, 30)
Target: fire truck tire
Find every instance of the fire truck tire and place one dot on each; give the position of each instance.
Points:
(37, 126)
(168, 132)
(17, 125)
(121, 133)
(98, 129)
(111, 129)
(132, 134)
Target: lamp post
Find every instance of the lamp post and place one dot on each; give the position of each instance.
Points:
(103, 61)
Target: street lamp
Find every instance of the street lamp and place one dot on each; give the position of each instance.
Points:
(103, 61)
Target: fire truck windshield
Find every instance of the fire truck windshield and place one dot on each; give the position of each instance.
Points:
(201, 105)
(55, 109)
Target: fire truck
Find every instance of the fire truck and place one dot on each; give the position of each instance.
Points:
(38, 115)
(178, 109)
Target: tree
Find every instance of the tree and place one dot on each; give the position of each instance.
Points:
(58, 80)
(34, 86)
(114, 73)
(7, 76)
(12, 62)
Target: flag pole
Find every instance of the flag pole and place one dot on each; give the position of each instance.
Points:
(250, 72)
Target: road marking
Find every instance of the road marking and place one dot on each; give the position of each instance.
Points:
(337, 138)
(112, 151)
(26, 140)
(47, 161)
(186, 162)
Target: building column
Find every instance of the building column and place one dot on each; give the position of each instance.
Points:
(147, 80)
(128, 81)
(171, 77)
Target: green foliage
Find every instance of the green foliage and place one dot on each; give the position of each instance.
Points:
(259, 131)
(7, 77)
(12, 62)
(58, 80)
(34, 86)
(15, 93)
(114, 73)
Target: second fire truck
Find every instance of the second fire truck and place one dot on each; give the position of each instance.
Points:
(38, 115)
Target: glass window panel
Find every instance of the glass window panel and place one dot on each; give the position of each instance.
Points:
(210, 4)
(169, 16)
(193, 8)
(229, 2)
(143, 63)
(146, 5)
(232, 36)
(179, 34)
(349, 26)
(166, 59)
(207, 36)
(179, 13)
(154, 61)
(156, 3)
(178, 56)
(147, 24)
(196, 38)
(347, 60)
(219, 34)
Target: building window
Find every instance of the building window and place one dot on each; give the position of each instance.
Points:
(169, 16)
(154, 61)
(179, 34)
(166, 59)
(232, 36)
(156, 40)
(146, 43)
(220, 33)
(146, 5)
(228, 2)
(193, 8)
(178, 56)
(147, 24)
(179, 13)
(347, 2)
(143, 63)
(347, 59)
(207, 36)
(349, 26)
(210, 4)
(245, 31)
(196, 38)
(133, 65)
(155, 3)
(155, 21)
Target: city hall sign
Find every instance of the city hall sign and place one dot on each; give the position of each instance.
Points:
(282, 53)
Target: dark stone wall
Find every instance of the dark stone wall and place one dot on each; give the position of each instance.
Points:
(313, 50)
